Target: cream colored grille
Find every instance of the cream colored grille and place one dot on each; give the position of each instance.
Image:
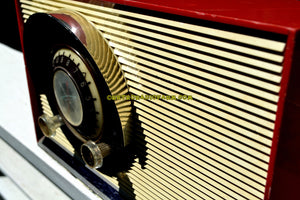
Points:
(216, 146)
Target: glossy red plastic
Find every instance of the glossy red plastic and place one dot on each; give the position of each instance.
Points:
(266, 14)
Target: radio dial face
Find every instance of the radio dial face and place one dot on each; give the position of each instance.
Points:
(76, 94)
(67, 98)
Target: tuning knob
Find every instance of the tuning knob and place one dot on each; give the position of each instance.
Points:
(93, 153)
(48, 125)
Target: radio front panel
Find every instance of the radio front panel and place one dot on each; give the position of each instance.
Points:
(197, 101)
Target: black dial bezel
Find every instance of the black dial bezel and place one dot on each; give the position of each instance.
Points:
(56, 34)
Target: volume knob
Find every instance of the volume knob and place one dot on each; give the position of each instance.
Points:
(48, 125)
(93, 154)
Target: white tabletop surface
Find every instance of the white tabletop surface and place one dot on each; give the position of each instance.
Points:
(17, 139)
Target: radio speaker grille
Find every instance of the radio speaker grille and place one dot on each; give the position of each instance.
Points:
(215, 146)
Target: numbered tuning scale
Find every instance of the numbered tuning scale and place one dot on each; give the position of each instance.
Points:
(70, 63)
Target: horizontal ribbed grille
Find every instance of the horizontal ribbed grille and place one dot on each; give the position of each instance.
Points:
(216, 146)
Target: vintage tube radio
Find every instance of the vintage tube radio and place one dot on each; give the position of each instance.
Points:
(168, 99)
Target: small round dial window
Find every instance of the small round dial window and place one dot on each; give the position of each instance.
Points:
(67, 98)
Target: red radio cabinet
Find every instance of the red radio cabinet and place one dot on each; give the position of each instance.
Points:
(168, 99)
